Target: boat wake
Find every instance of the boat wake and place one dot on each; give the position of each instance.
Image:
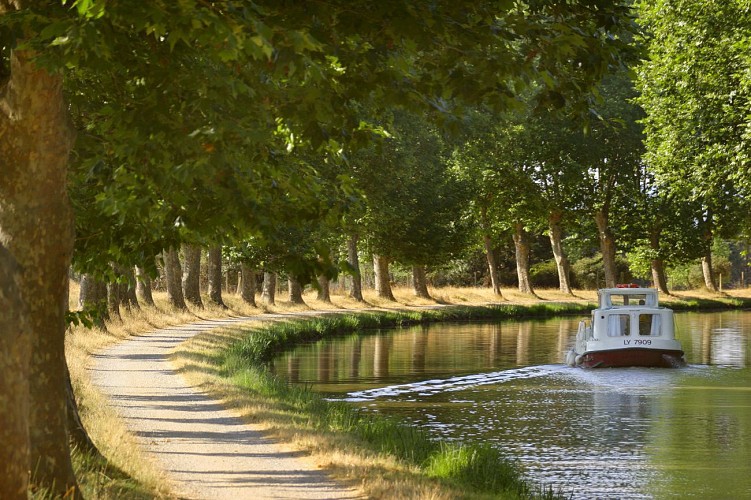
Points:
(459, 383)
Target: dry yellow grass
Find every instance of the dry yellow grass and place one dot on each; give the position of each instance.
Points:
(378, 476)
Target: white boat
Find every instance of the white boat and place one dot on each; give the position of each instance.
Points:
(629, 328)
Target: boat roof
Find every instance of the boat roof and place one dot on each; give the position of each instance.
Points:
(619, 297)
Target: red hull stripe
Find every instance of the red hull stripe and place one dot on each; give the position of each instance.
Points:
(662, 358)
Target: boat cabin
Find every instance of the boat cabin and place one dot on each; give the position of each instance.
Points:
(631, 313)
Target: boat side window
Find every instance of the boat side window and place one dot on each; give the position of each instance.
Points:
(649, 324)
(618, 325)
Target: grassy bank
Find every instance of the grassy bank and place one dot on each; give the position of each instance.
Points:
(128, 474)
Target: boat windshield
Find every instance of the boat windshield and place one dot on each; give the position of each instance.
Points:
(630, 299)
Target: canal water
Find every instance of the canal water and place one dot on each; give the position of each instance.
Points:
(608, 433)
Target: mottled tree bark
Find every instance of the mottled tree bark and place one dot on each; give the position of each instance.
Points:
(113, 301)
(128, 297)
(143, 286)
(420, 282)
(708, 272)
(561, 261)
(495, 275)
(521, 246)
(295, 291)
(268, 292)
(92, 295)
(490, 254)
(607, 247)
(173, 277)
(192, 275)
(706, 260)
(354, 262)
(324, 289)
(382, 279)
(15, 349)
(657, 265)
(248, 281)
(36, 226)
(215, 275)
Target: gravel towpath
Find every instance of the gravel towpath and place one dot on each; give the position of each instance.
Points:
(206, 451)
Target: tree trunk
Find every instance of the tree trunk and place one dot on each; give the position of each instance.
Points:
(382, 279)
(113, 301)
(268, 293)
(607, 247)
(15, 350)
(192, 275)
(295, 291)
(248, 280)
(706, 267)
(354, 262)
(215, 276)
(420, 282)
(36, 226)
(657, 265)
(324, 289)
(128, 288)
(561, 261)
(495, 275)
(173, 276)
(521, 245)
(92, 296)
(706, 260)
(143, 286)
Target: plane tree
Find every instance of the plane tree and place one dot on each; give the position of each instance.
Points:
(414, 203)
(694, 89)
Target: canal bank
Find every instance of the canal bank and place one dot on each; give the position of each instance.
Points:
(357, 445)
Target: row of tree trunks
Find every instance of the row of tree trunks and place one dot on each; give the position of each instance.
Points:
(36, 137)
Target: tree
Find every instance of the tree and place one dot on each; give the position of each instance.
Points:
(612, 154)
(191, 279)
(694, 88)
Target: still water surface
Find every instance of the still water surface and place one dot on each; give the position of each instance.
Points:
(609, 433)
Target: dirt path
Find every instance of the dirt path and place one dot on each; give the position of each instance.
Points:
(206, 451)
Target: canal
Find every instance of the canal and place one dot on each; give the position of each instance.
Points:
(609, 433)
